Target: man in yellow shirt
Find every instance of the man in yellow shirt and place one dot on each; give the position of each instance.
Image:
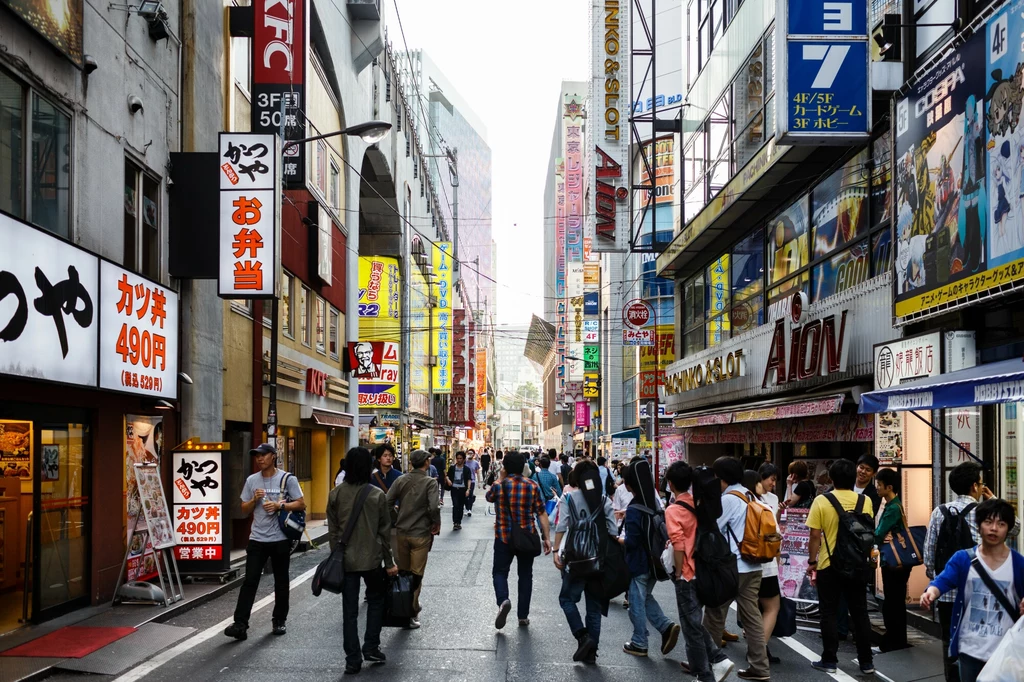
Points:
(823, 521)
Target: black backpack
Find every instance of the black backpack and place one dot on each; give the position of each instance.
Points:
(716, 578)
(586, 541)
(707, 495)
(656, 541)
(855, 540)
(954, 534)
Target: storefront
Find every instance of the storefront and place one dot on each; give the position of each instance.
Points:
(89, 380)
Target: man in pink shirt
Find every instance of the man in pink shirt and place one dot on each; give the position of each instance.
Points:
(706, 661)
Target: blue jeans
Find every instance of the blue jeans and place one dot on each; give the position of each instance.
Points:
(503, 556)
(568, 599)
(375, 589)
(644, 608)
(701, 651)
(970, 668)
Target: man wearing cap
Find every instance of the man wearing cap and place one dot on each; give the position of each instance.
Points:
(265, 495)
(419, 520)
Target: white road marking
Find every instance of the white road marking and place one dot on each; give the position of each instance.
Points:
(195, 640)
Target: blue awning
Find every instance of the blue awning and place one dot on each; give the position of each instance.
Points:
(996, 382)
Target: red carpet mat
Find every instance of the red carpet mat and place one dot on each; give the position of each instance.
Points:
(69, 642)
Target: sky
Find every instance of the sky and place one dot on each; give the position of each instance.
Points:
(507, 60)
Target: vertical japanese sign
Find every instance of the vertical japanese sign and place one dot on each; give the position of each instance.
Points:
(824, 93)
(250, 215)
(481, 386)
(576, 336)
(458, 413)
(144, 441)
(419, 334)
(442, 317)
(609, 129)
(561, 304)
(198, 504)
(278, 78)
(582, 414)
(380, 296)
(138, 334)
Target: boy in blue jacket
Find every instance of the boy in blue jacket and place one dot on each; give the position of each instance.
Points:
(982, 615)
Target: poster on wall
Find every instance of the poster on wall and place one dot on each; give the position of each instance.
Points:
(16, 449)
(143, 445)
(60, 23)
(796, 538)
(376, 364)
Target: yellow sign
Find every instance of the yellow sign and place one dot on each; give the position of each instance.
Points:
(592, 274)
(442, 317)
(380, 295)
(718, 300)
(950, 293)
(590, 386)
(663, 353)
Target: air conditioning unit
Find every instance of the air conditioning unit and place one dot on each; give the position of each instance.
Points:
(361, 10)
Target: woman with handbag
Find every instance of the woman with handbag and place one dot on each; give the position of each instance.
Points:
(895, 572)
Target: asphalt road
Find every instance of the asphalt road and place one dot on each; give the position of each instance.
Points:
(458, 640)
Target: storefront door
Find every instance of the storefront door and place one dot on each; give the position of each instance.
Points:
(1009, 433)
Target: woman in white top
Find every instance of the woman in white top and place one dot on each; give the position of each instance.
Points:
(762, 484)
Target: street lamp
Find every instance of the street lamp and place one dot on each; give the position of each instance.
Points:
(370, 132)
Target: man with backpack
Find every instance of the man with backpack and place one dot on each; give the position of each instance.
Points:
(704, 659)
(952, 527)
(841, 542)
(733, 525)
(588, 525)
(646, 538)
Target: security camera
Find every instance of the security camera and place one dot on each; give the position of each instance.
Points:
(134, 104)
(89, 64)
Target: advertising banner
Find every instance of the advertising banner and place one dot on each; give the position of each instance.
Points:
(144, 442)
(796, 539)
(442, 317)
(380, 296)
(591, 275)
(576, 341)
(481, 386)
(582, 414)
(198, 500)
(419, 333)
(59, 23)
(592, 358)
(376, 364)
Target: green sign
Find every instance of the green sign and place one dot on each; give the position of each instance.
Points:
(591, 358)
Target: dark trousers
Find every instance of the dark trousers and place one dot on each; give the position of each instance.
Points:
(375, 588)
(831, 587)
(503, 556)
(458, 505)
(471, 497)
(945, 623)
(569, 598)
(256, 555)
(970, 668)
(894, 608)
(701, 651)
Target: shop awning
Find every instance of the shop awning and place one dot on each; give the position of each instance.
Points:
(330, 418)
(629, 433)
(996, 382)
(367, 420)
(768, 410)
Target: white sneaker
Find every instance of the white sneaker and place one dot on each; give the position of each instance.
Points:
(722, 669)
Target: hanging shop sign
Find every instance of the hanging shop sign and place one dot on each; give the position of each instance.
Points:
(138, 334)
(637, 313)
(376, 364)
(481, 386)
(379, 298)
(591, 385)
(458, 405)
(278, 78)
(800, 349)
(609, 129)
(728, 365)
(591, 273)
(582, 414)
(639, 337)
(591, 303)
(591, 332)
(824, 94)
(442, 317)
(592, 358)
(250, 216)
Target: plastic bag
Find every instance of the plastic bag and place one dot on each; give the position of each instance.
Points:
(668, 559)
(399, 596)
(1007, 662)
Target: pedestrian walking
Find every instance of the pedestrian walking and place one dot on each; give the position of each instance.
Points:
(385, 475)
(458, 484)
(266, 494)
(549, 485)
(838, 565)
(368, 556)
(769, 594)
(519, 506)
(989, 579)
(588, 520)
(733, 524)
(643, 548)
(474, 469)
(419, 520)
(439, 463)
(705, 660)
(485, 465)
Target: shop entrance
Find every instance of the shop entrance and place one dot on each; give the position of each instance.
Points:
(44, 526)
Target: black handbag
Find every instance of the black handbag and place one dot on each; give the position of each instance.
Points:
(399, 596)
(523, 541)
(330, 574)
(785, 624)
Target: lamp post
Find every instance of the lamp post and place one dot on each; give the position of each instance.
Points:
(370, 132)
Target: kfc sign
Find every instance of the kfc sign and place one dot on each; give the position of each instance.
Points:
(800, 350)
(316, 382)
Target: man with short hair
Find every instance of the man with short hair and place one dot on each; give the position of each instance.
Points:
(733, 524)
(867, 467)
(517, 500)
(823, 520)
(419, 520)
(458, 483)
(548, 483)
(386, 474)
(265, 495)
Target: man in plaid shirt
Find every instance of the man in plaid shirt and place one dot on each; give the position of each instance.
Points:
(516, 500)
(967, 485)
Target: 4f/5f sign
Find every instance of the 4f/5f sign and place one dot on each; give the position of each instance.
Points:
(824, 93)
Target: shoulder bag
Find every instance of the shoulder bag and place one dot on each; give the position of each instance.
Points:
(523, 540)
(330, 574)
(292, 523)
(902, 548)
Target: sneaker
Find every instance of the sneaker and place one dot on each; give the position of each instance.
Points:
(729, 637)
(278, 627)
(625, 603)
(722, 669)
(375, 656)
(524, 622)
(414, 624)
(236, 630)
(824, 667)
(503, 610)
(751, 675)
(868, 669)
(669, 639)
(353, 668)
(634, 650)
(585, 648)
(469, 513)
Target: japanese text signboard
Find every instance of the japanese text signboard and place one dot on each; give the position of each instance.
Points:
(442, 317)
(278, 78)
(138, 334)
(824, 93)
(377, 365)
(897, 362)
(250, 215)
(198, 504)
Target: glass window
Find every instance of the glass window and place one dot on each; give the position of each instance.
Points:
(141, 221)
(769, 63)
(881, 253)
(778, 294)
(787, 242)
(748, 266)
(304, 295)
(692, 61)
(694, 202)
(51, 166)
(842, 271)
(321, 325)
(749, 141)
(332, 337)
(881, 179)
(720, 129)
(12, 135)
(693, 315)
(839, 206)
(716, 302)
(286, 305)
(241, 64)
(335, 187)
(749, 89)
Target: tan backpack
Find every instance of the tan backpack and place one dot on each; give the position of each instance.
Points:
(761, 539)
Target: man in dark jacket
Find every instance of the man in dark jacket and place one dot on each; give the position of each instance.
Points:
(439, 463)
(459, 481)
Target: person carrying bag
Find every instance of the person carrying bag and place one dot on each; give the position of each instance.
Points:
(330, 574)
